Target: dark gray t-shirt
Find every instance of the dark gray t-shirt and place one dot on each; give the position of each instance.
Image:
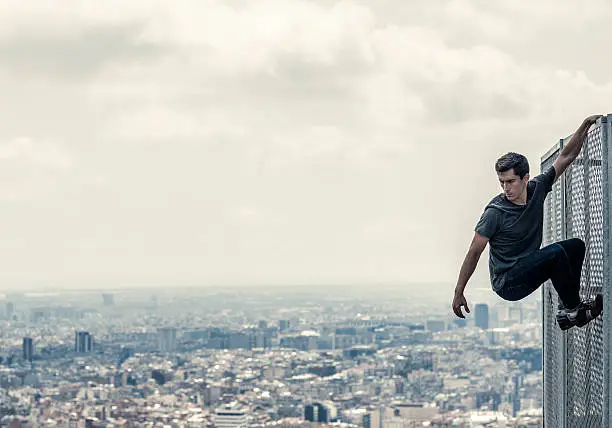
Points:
(514, 231)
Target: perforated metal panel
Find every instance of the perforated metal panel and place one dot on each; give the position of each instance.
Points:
(584, 209)
(575, 370)
(554, 341)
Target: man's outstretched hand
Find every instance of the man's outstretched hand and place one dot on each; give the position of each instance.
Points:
(458, 301)
(592, 119)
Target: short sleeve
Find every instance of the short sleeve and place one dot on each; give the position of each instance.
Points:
(547, 178)
(489, 223)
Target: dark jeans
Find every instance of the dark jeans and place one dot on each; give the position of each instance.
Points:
(560, 262)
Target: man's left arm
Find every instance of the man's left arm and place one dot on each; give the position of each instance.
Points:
(571, 150)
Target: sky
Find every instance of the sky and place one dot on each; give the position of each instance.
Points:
(209, 142)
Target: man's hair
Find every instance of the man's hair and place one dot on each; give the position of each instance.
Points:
(514, 161)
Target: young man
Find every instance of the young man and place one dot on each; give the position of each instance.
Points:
(512, 225)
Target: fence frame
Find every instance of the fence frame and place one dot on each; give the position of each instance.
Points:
(555, 345)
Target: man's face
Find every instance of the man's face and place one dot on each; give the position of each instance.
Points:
(512, 185)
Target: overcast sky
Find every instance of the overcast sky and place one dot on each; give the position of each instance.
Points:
(275, 141)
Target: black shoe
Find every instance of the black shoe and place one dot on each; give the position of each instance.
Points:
(586, 312)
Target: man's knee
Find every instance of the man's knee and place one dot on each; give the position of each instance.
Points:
(573, 247)
(577, 242)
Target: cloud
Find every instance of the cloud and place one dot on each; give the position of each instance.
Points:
(26, 152)
(159, 123)
(74, 55)
(32, 169)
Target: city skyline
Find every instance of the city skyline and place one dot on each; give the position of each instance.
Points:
(102, 359)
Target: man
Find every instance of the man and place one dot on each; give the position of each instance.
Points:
(512, 225)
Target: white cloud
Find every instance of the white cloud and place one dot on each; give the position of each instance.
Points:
(32, 169)
(157, 123)
(26, 152)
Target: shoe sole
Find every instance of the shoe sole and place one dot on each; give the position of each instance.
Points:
(565, 323)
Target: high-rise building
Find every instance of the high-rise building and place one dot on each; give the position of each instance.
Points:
(578, 362)
(366, 420)
(28, 349)
(230, 417)
(481, 315)
(316, 412)
(167, 339)
(9, 310)
(83, 342)
(108, 299)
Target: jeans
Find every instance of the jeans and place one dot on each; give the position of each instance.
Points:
(561, 262)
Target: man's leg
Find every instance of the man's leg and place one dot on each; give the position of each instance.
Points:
(560, 262)
(550, 262)
(575, 250)
(588, 309)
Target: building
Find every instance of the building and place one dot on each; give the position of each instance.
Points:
(28, 349)
(481, 314)
(436, 325)
(516, 401)
(108, 299)
(9, 310)
(167, 339)
(83, 342)
(366, 420)
(317, 412)
(230, 417)
(577, 363)
(460, 322)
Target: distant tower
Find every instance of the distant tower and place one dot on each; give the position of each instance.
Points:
(108, 299)
(366, 420)
(316, 412)
(83, 342)
(167, 339)
(28, 349)
(482, 316)
(10, 310)
(516, 402)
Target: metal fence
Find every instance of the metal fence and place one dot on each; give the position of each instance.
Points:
(577, 362)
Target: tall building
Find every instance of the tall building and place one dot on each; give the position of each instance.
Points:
(108, 299)
(230, 417)
(516, 398)
(316, 412)
(578, 362)
(366, 420)
(83, 342)
(28, 349)
(481, 314)
(9, 310)
(167, 339)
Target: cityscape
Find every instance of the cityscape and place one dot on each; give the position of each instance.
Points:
(362, 356)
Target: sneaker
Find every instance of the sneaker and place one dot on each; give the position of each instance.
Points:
(586, 312)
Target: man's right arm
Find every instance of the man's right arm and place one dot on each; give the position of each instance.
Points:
(479, 242)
